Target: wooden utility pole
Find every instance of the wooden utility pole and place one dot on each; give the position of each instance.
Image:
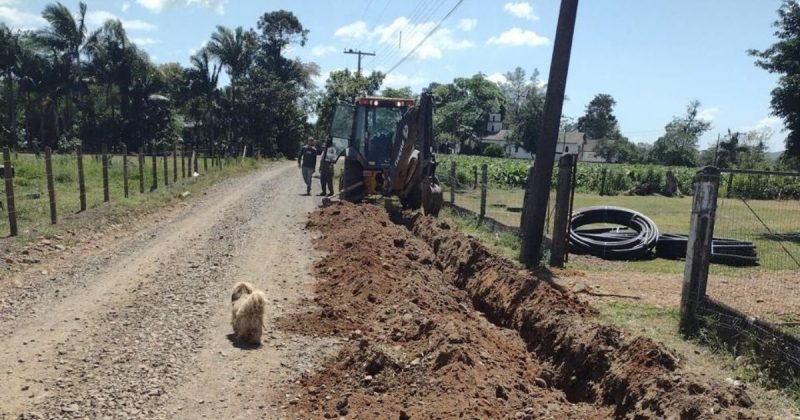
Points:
(359, 53)
(558, 249)
(538, 186)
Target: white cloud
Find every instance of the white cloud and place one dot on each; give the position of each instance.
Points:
(467, 25)
(413, 34)
(193, 51)
(320, 79)
(519, 37)
(158, 6)
(18, 19)
(522, 10)
(355, 30)
(145, 41)
(497, 78)
(708, 114)
(401, 80)
(320, 50)
(125, 6)
(99, 17)
(8, 2)
(773, 122)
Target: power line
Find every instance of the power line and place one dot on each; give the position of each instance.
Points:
(423, 18)
(414, 21)
(435, 28)
(388, 47)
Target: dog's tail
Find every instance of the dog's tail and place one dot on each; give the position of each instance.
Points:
(254, 304)
(240, 289)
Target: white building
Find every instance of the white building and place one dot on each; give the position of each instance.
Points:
(571, 142)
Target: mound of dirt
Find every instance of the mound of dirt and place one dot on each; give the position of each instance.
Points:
(439, 327)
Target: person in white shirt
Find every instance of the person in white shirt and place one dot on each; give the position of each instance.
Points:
(326, 165)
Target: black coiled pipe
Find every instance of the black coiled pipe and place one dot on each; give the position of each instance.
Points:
(635, 244)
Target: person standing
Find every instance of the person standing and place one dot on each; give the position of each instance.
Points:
(326, 166)
(307, 161)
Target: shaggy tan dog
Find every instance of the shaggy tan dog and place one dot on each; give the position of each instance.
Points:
(247, 316)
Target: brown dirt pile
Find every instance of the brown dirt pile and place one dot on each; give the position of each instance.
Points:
(439, 327)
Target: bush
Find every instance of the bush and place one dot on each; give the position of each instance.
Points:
(493, 150)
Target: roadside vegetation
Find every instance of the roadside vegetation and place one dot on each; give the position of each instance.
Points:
(33, 206)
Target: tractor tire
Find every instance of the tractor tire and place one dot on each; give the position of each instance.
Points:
(413, 200)
(353, 174)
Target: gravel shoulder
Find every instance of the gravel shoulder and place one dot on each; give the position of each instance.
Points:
(138, 327)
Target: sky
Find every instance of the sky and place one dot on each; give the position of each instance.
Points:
(652, 56)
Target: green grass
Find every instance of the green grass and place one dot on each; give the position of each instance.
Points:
(33, 214)
(671, 215)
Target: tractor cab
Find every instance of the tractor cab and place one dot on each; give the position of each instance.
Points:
(367, 129)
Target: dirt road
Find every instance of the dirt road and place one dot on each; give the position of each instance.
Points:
(139, 328)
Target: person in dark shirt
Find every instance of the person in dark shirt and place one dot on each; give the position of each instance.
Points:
(307, 161)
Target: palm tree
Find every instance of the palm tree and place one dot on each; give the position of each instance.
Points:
(234, 50)
(9, 68)
(202, 79)
(65, 37)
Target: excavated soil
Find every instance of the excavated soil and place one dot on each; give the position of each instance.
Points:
(436, 326)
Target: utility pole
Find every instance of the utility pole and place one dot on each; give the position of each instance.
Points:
(359, 53)
(538, 186)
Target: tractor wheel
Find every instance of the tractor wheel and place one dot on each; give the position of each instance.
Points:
(353, 174)
(413, 200)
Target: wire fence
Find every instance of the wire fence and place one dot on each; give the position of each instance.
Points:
(764, 280)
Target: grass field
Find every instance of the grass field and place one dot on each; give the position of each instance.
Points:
(30, 188)
(735, 219)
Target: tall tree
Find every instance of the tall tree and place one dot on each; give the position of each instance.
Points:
(783, 58)
(678, 145)
(234, 49)
(524, 106)
(66, 37)
(465, 107)
(599, 121)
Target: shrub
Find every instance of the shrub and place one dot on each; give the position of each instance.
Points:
(493, 150)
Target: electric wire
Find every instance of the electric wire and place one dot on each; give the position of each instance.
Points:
(435, 28)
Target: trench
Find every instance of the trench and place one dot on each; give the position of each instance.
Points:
(593, 363)
(440, 325)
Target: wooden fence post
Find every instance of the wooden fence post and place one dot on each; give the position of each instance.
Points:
(603, 182)
(475, 177)
(452, 183)
(141, 170)
(183, 162)
(205, 161)
(8, 175)
(81, 180)
(194, 160)
(698, 250)
(166, 168)
(154, 185)
(484, 186)
(104, 151)
(730, 185)
(558, 247)
(51, 189)
(175, 164)
(125, 170)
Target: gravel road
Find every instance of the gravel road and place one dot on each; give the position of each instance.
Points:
(139, 328)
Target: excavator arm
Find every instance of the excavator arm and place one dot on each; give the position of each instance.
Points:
(412, 170)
